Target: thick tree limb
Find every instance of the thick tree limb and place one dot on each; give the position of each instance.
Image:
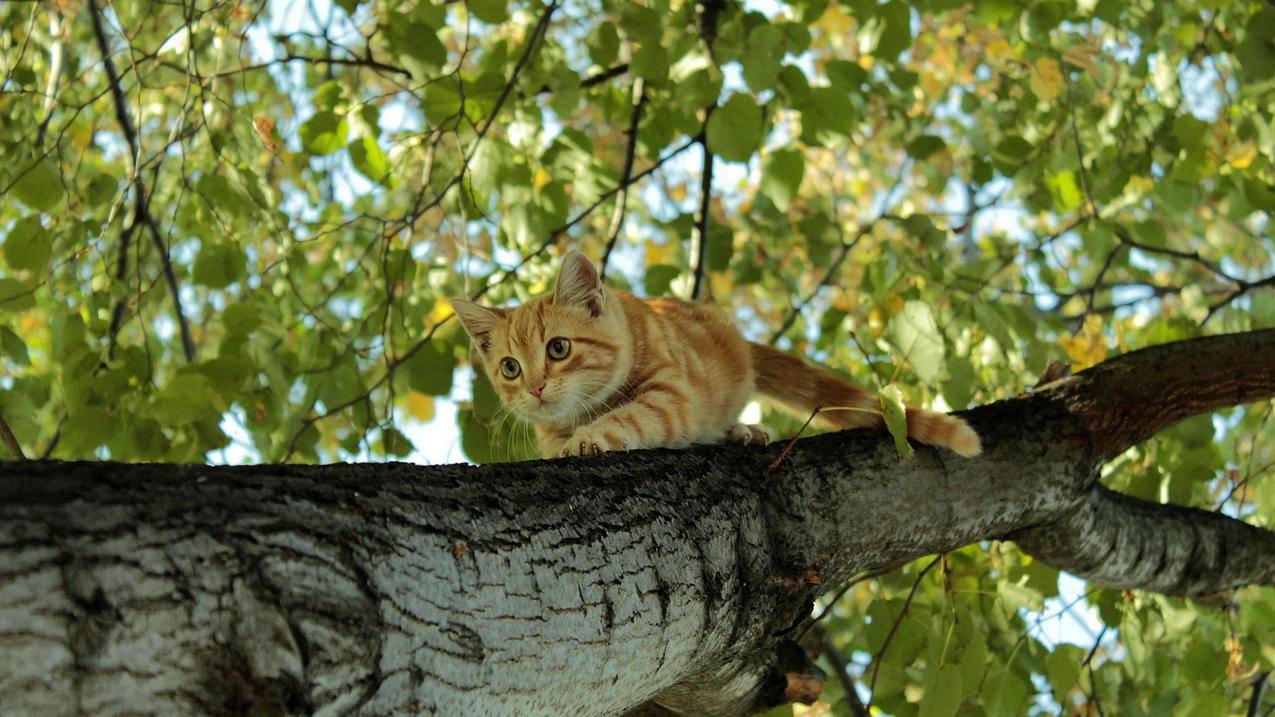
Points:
(584, 586)
(1122, 402)
(1117, 541)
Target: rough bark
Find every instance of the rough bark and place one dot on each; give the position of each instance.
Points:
(581, 586)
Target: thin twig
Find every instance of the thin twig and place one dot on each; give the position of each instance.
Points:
(705, 204)
(1088, 662)
(784, 453)
(595, 79)
(847, 684)
(141, 200)
(630, 152)
(876, 658)
(833, 268)
(7, 437)
(1259, 690)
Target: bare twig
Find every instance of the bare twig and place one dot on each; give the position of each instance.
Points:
(1259, 690)
(622, 204)
(828, 276)
(597, 79)
(142, 202)
(1088, 662)
(784, 453)
(705, 204)
(876, 658)
(7, 437)
(847, 684)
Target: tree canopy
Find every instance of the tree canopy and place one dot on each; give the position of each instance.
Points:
(232, 228)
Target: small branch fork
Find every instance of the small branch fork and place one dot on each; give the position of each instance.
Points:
(630, 152)
(142, 212)
(700, 248)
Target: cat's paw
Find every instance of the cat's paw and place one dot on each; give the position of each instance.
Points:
(590, 441)
(748, 434)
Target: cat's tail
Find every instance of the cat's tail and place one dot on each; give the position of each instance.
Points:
(802, 388)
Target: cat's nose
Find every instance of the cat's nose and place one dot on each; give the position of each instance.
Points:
(535, 390)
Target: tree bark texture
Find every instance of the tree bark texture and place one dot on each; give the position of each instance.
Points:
(579, 586)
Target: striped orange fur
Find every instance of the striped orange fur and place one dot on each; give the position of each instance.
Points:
(593, 370)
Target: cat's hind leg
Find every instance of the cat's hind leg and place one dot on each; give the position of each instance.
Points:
(748, 434)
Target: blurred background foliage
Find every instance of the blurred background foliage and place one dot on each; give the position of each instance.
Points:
(228, 232)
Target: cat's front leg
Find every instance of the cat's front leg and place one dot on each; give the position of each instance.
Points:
(656, 418)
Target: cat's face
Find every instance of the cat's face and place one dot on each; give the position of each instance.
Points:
(555, 358)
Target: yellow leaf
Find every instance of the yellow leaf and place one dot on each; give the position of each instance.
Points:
(1241, 155)
(420, 406)
(660, 253)
(1087, 348)
(1046, 79)
(1081, 56)
(1139, 186)
(441, 311)
(540, 179)
(834, 21)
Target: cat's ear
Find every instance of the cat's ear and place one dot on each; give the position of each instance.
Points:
(579, 284)
(480, 322)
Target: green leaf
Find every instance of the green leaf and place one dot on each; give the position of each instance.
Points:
(762, 58)
(441, 102)
(658, 278)
(367, 157)
(734, 129)
(924, 146)
(942, 690)
(85, 429)
(475, 439)
(394, 443)
(220, 265)
(28, 245)
(15, 295)
(324, 133)
(38, 185)
(826, 113)
(896, 421)
(1007, 693)
(492, 12)
(896, 30)
(1063, 668)
(13, 348)
(218, 191)
(429, 370)
(186, 399)
(782, 177)
(415, 45)
(720, 247)
(914, 333)
(241, 319)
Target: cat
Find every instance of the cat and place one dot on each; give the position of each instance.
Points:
(594, 369)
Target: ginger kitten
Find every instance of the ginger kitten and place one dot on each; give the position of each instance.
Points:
(593, 370)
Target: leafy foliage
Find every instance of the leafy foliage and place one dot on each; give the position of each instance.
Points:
(973, 190)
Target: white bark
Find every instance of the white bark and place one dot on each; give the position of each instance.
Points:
(587, 586)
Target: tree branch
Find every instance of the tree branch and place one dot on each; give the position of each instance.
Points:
(705, 205)
(1122, 542)
(622, 204)
(596, 584)
(1122, 402)
(10, 441)
(141, 199)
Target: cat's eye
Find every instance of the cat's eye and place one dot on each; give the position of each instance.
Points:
(559, 348)
(509, 367)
